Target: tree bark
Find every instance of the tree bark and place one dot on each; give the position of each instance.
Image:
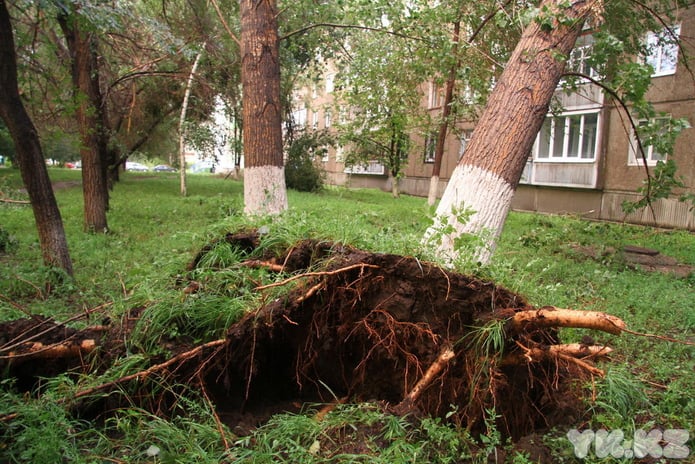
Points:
(485, 179)
(264, 177)
(444, 125)
(90, 119)
(49, 223)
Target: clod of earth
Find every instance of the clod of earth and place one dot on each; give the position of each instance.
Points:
(350, 325)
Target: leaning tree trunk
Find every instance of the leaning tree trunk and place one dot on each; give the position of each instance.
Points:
(264, 177)
(85, 79)
(444, 125)
(49, 223)
(479, 194)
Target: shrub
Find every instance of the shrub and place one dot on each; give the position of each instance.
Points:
(303, 171)
(7, 242)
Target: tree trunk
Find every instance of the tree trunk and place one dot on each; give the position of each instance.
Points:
(182, 120)
(395, 191)
(90, 119)
(444, 125)
(264, 177)
(49, 223)
(480, 191)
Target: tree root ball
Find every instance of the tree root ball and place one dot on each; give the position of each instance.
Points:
(365, 326)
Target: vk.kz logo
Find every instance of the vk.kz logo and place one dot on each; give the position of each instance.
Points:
(668, 444)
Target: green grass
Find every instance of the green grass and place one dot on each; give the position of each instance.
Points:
(155, 233)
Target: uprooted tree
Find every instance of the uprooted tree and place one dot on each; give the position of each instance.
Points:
(340, 324)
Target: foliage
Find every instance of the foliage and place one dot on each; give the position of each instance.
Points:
(7, 242)
(660, 184)
(380, 86)
(303, 170)
(383, 438)
(44, 432)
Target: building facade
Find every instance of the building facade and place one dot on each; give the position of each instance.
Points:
(585, 159)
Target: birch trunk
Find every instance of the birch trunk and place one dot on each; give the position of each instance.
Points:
(182, 120)
(264, 176)
(479, 194)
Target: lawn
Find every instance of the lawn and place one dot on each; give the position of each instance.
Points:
(154, 234)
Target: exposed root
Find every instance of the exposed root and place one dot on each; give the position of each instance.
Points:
(550, 316)
(142, 375)
(435, 368)
(37, 350)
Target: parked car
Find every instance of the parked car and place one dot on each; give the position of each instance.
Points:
(163, 168)
(202, 166)
(133, 166)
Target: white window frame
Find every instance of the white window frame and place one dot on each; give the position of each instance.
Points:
(657, 51)
(300, 117)
(578, 61)
(315, 120)
(330, 83)
(327, 118)
(565, 119)
(436, 97)
(370, 168)
(634, 157)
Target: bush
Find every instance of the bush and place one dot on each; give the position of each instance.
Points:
(7, 242)
(303, 170)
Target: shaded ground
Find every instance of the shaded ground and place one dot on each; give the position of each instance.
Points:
(355, 326)
(644, 259)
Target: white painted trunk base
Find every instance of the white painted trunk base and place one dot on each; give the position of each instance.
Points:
(487, 196)
(264, 190)
(432, 193)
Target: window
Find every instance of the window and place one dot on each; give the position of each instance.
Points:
(651, 154)
(430, 147)
(465, 138)
(372, 167)
(300, 116)
(436, 96)
(327, 119)
(568, 138)
(579, 60)
(330, 83)
(315, 120)
(662, 50)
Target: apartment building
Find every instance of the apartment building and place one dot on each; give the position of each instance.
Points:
(585, 158)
